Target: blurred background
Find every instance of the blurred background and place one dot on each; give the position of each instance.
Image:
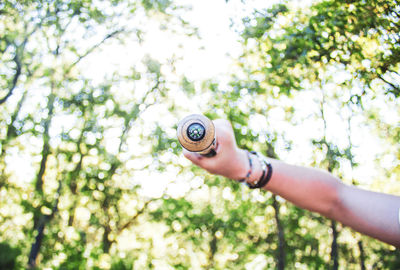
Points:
(92, 175)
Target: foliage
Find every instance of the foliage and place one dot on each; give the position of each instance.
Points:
(8, 256)
(338, 63)
(361, 36)
(92, 176)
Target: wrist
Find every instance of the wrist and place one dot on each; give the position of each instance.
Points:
(257, 169)
(242, 166)
(254, 179)
(249, 167)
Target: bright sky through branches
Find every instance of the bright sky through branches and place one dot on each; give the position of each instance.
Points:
(212, 55)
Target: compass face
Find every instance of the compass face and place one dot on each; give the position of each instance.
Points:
(196, 132)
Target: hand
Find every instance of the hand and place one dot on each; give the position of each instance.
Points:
(230, 161)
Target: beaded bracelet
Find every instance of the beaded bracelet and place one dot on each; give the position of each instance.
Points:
(247, 177)
(266, 175)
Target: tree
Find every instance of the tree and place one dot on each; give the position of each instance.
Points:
(293, 53)
(84, 138)
(60, 110)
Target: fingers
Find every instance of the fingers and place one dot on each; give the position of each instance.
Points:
(193, 157)
(222, 124)
(226, 146)
(229, 161)
(224, 131)
(197, 159)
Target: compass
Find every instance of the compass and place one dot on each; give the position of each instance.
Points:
(196, 132)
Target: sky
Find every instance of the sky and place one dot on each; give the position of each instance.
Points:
(210, 56)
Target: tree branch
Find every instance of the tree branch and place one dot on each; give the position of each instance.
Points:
(18, 61)
(132, 119)
(133, 219)
(393, 71)
(395, 90)
(94, 47)
(15, 79)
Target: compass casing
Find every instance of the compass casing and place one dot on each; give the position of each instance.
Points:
(196, 133)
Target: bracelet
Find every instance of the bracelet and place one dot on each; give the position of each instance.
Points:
(266, 175)
(247, 177)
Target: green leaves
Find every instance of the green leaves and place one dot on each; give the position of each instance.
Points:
(159, 5)
(262, 21)
(74, 127)
(8, 256)
(332, 32)
(312, 84)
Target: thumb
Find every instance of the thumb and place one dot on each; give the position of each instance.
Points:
(193, 157)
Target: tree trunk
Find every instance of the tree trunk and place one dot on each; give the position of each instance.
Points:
(46, 143)
(362, 255)
(40, 220)
(73, 187)
(281, 237)
(106, 242)
(44, 220)
(335, 233)
(334, 247)
(38, 242)
(213, 250)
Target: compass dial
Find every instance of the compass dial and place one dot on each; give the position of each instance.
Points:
(196, 132)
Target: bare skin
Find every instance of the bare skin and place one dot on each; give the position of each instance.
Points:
(371, 213)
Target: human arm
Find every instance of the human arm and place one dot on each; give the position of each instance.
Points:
(371, 213)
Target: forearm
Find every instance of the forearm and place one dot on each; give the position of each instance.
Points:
(308, 188)
(374, 214)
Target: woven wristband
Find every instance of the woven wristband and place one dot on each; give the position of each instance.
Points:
(266, 174)
(250, 169)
